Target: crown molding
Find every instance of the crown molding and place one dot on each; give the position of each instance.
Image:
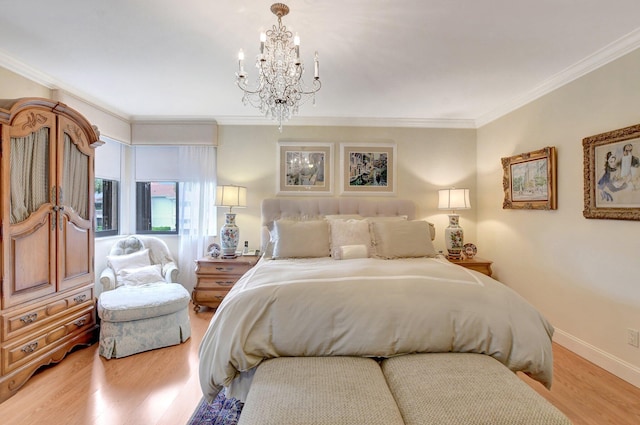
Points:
(51, 83)
(607, 54)
(352, 122)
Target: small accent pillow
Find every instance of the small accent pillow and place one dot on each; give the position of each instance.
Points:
(349, 232)
(402, 239)
(128, 261)
(349, 252)
(141, 275)
(300, 239)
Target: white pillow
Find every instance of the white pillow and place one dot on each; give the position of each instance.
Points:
(349, 252)
(348, 232)
(402, 239)
(300, 239)
(128, 261)
(141, 275)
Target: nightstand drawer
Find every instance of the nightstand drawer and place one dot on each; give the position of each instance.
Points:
(222, 269)
(210, 298)
(217, 282)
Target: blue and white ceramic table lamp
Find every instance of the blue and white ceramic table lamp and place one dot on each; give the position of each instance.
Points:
(230, 196)
(454, 199)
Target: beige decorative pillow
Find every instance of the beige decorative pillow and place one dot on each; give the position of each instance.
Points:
(402, 239)
(300, 239)
(348, 232)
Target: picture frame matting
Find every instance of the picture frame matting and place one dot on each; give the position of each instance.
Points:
(368, 168)
(304, 168)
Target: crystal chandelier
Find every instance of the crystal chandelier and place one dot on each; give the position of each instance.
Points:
(280, 89)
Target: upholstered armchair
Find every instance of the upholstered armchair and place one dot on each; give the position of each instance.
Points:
(141, 306)
(158, 253)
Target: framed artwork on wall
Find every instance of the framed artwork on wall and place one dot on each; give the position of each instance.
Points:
(304, 168)
(368, 168)
(529, 180)
(612, 174)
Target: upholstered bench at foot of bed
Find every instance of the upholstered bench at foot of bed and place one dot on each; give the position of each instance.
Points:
(413, 389)
(141, 318)
(319, 391)
(464, 388)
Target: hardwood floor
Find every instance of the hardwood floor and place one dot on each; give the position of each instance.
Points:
(161, 387)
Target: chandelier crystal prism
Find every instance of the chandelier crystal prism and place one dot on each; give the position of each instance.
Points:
(280, 89)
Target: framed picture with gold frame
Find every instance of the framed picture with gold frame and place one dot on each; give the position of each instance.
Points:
(304, 168)
(368, 168)
(529, 180)
(612, 174)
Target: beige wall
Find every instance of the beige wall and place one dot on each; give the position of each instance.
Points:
(584, 275)
(427, 160)
(14, 86)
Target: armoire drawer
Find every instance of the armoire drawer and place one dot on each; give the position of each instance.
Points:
(22, 351)
(23, 320)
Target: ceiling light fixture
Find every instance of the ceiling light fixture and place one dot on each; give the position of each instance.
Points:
(280, 89)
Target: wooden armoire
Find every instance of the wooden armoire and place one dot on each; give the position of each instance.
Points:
(47, 236)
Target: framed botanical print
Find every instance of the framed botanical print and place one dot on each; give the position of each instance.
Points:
(304, 168)
(612, 174)
(368, 168)
(529, 180)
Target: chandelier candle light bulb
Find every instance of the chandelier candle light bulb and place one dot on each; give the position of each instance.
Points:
(241, 72)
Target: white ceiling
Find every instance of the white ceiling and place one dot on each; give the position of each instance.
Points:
(412, 62)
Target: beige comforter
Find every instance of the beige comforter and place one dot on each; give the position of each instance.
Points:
(369, 307)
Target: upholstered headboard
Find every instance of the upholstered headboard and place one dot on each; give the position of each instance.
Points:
(274, 209)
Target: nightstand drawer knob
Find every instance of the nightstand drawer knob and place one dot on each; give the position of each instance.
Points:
(225, 282)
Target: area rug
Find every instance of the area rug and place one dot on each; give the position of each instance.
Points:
(222, 411)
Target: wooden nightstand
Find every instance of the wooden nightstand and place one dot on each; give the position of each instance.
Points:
(478, 264)
(215, 277)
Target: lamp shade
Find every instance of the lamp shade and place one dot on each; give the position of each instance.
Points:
(231, 196)
(453, 199)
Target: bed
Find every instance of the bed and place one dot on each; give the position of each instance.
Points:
(355, 277)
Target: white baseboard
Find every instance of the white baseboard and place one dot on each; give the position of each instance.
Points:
(612, 364)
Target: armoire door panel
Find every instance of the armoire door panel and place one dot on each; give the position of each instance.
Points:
(30, 273)
(75, 254)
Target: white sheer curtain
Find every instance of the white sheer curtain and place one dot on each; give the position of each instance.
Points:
(197, 220)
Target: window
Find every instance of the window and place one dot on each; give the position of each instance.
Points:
(106, 205)
(157, 207)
